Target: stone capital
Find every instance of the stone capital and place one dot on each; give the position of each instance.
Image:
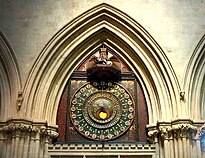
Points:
(200, 132)
(21, 127)
(184, 130)
(174, 129)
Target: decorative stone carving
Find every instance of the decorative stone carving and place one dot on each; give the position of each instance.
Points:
(152, 135)
(43, 130)
(48, 132)
(200, 132)
(52, 134)
(182, 94)
(184, 130)
(19, 100)
(11, 127)
(165, 132)
(23, 137)
(22, 127)
(173, 129)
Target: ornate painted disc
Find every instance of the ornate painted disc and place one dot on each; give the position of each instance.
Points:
(102, 114)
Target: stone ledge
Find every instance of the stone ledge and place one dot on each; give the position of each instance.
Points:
(100, 147)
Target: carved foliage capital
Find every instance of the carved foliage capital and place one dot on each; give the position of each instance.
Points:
(184, 130)
(165, 132)
(170, 130)
(44, 131)
(25, 128)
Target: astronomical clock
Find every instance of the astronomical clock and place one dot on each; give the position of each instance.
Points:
(102, 102)
(102, 114)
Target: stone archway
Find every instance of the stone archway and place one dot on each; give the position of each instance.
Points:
(10, 81)
(69, 47)
(73, 43)
(194, 83)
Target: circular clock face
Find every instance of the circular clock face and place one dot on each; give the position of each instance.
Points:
(102, 114)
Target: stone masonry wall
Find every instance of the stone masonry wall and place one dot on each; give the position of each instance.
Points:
(177, 26)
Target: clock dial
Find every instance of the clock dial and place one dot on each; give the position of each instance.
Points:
(102, 114)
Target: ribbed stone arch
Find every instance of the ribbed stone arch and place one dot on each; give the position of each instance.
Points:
(194, 83)
(10, 81)
(72, 44)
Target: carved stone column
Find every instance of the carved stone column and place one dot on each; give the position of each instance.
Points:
(25, 139)
(153, 137)
(167, 140)
(183, 134)
(162, 134)
(175, 139)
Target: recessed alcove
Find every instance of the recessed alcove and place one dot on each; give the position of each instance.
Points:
(120, 92)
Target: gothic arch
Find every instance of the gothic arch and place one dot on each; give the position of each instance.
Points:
(10, 82)
(194, 82)
(72, 44)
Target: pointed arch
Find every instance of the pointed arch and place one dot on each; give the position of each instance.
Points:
(194, 82)
(10, 81)
(72, 44)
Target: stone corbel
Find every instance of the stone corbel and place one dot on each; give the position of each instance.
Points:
(19, 100)
(182, 96)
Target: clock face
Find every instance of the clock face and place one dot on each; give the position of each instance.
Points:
(102, 114)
